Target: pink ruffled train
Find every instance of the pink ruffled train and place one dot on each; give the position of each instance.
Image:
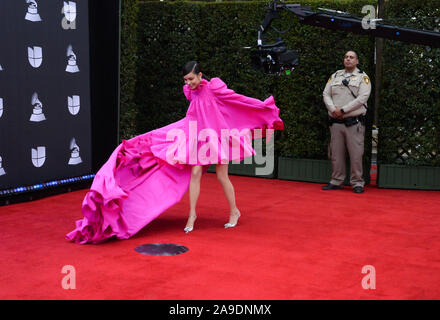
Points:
(148, 174)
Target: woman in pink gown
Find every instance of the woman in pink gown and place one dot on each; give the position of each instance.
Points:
(148, 174)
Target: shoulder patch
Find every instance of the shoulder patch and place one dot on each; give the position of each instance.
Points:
(366, 79)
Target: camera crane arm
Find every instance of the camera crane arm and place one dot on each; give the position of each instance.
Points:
(332, 19)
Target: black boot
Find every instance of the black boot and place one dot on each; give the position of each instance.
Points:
(332, 187)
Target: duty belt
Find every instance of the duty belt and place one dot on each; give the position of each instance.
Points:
(349, 121)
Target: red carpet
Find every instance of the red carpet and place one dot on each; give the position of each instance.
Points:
(293, 241)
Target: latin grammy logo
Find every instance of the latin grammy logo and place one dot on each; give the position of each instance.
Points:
(32, 11)
(38, 156)
(71, 64)
(73, 103)
(70, 11)
(74, 153)
(69, 19)
(35, 56)
(37, 112)
(2, 171)
(1, 68)
(1, 107)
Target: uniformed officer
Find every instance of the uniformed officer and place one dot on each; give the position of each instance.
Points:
(345, 97)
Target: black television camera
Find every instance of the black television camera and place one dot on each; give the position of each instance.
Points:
(275, 59)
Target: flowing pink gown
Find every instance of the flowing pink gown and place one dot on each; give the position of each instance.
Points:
(148, 174)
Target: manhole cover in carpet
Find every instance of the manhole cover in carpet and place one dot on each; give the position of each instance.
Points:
(161, 249)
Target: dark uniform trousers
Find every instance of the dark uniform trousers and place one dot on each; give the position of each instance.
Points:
(345, 139)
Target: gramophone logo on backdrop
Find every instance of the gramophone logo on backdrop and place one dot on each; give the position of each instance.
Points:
(74, 153)
(35, 56)
(69, 20)
(73, 104)
(37, 112)
(2, 171)
(1, 69)
(1, 107)
(32, 11)
(38, 156)
(71, 64)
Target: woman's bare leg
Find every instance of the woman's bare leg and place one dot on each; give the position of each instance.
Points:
(194, 191)
(228, 189)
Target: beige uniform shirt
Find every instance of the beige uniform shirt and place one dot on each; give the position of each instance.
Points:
(337, 95)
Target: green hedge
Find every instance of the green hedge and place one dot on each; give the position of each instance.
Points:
(128, 67)
(300, 96)
(409, 113)
(170, 33)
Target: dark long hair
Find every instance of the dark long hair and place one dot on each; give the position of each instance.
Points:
(192, 66)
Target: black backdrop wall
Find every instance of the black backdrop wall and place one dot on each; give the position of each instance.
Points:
(58, 88)
(104, 17)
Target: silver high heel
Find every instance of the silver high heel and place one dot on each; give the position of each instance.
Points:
(232, 225)
(189, 229)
